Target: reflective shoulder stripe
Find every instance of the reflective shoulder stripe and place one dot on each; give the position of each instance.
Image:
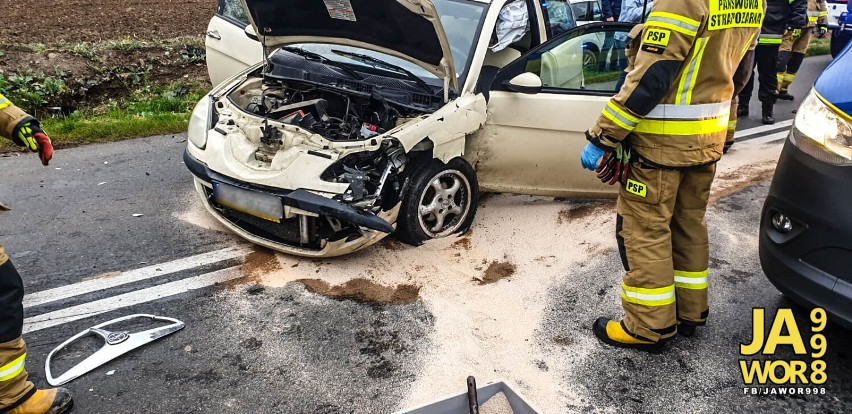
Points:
(12, 369)
(674, 22)
(700, 111)
(690, 75)
(813, 18)
(691, 280)
(620, 117)
(648, 297)
(675, 127)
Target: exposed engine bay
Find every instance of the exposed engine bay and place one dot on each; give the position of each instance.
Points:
(335, 114)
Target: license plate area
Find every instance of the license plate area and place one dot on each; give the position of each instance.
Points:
(261, 205)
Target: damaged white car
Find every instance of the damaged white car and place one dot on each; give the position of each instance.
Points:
(369, 117)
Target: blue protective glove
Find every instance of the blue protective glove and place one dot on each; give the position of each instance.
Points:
(590, 156)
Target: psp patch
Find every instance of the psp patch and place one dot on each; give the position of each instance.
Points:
(655, 40)
(636, 188)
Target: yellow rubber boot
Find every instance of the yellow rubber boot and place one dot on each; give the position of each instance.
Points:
(52, 401)
(613, 333)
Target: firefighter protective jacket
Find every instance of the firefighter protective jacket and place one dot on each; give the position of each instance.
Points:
(11, 119)
(676, 102)
(781, 14)
(817, 13)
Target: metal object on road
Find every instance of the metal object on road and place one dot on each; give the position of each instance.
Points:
(458, 404)
(116, 344)
(472, 402)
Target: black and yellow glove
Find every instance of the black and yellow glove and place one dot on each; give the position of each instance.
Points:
(30, 135)
(795, 32)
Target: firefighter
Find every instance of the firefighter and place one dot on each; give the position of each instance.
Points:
(17, 394)
(666, 129)
(781, 15)
(795, 44)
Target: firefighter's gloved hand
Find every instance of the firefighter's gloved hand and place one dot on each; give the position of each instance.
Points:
(795, 32)
(590, 156)
(821, 30)
(33, 138)
(45, 148)
(615, 166)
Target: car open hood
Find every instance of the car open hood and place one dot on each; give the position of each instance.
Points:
(408, 29)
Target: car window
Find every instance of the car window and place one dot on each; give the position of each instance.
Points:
(597, 14)
(587, 61)
(233, 10)
(581, 10)
(558, 17)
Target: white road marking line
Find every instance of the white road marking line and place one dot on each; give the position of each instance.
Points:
(98, 307)
(131, 276)
(769, 138)
(764, 128)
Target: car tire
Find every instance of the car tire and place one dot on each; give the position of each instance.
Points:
(427, 213)
(590, 58)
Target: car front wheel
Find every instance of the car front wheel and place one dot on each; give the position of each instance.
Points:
(440, 200)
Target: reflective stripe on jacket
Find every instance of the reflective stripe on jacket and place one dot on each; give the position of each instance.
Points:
(781, 14)
(11, 117)
(676, 101)
(817, 12)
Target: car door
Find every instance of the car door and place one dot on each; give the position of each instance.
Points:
(531, 142)
(229, 50)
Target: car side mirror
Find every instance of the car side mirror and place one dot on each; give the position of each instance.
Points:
(251, 33)
(527, 82)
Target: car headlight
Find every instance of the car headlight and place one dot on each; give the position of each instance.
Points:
(822, 131)
(200, 122)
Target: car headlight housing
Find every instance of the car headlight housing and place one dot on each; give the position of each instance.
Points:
(822, 131)
(200, 122)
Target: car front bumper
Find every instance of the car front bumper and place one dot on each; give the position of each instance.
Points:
(812, 263)
(284, 236)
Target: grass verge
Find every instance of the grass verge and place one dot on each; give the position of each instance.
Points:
(146, 112)
(819, 47)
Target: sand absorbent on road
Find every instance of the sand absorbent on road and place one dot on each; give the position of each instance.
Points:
(487, 289)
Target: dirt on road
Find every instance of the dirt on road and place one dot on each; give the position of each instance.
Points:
(63, 21)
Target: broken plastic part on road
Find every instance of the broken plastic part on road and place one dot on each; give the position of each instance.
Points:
(116, 344)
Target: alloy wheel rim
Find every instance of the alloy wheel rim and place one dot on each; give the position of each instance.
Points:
(444, 204)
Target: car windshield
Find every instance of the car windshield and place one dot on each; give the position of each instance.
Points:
(462, 21)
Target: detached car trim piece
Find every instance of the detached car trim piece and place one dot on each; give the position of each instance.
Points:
(116, 344)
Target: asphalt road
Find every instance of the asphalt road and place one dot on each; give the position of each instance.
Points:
(251, 347)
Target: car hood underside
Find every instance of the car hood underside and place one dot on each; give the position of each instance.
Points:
(409, 29)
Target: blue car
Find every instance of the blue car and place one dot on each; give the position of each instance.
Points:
(841, 34)
(806, 224)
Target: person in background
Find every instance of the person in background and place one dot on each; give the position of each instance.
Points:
(630, 11)
(781, 16)
(612, 46)
(795, 44)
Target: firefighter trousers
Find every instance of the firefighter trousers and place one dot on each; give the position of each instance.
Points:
(766, 60)
(790, 56)
(14, 384)
(664, 247)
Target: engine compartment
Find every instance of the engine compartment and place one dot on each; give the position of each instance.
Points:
(335, 114)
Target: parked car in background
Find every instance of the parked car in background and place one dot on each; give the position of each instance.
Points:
(349, 133)
(835, 8)
(806, 229)
(841, 34)
(587, 11)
